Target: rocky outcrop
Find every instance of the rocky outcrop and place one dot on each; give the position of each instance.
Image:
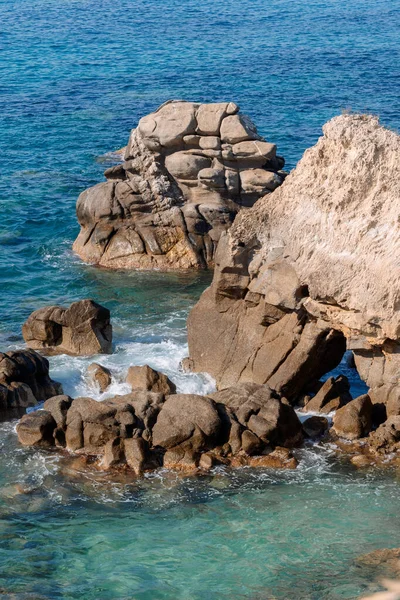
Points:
(144, 430)
(24, 381)
(188, 169)
(146, 378)
(310, 267)
(82, 329)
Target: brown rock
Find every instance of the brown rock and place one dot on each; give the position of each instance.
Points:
(36, 429)
(112, 454)
(82, 329)
(187, 416)
(136, 454)
(24, 381)
(280, 458)
(387, 437)
(333, 394)
(313, 265)
(315, 427)
(146, 378)
(100, 376)
(384, 561)
(58, 407)
(178, 189)
(354, 420)
(258, 408)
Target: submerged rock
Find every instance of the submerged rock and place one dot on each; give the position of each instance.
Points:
(82, 329)
(188, 169)
(24, 381)
(309, 268)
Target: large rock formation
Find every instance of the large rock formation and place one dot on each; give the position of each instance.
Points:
(188, 170)
(144, 429)
(313, 264)
(82, 329)
(24, 381)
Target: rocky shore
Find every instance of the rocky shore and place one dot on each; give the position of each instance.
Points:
(300, 277)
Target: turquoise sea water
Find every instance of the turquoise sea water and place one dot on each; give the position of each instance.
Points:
(75, 77)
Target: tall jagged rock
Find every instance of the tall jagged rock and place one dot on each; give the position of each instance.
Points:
(188, 169)
(310, 266)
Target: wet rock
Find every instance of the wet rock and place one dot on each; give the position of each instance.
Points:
(259, 409)
(36, 429)
(186, 417)
(146, 378)
(386, 438)
(360, 461)
(315, 427)
(58, 407)
(24, 381)
(113, 453)
(82, 329)
(384, 561)
(188, 169)
(333, 394)
(354, 420)
(100, 376)
(136, 454)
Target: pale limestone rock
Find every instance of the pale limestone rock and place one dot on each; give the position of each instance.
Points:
(326, 245)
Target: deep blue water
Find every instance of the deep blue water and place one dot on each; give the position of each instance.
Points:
(75, 77)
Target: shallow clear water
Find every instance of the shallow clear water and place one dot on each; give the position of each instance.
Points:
(75, 77)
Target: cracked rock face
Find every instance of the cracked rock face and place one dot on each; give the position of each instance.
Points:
(188, 169)
(309, 267)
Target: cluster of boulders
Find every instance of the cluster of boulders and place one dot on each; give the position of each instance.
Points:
(24, 382)
(246, 425)
(82, 329)
(188, 169)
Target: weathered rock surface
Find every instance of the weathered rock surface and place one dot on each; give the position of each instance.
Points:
(188, 169)
(146, 378)
(354, 420)
(333, 394)
(82, 329)
(24, 381)
(99, 376)
(144, 430)
(310, 267)
(315, 427)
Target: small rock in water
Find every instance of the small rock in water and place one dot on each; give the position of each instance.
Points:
(82, 329)
(100, 376)
(146, 378)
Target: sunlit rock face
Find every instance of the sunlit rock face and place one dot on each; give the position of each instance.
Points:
(188, 169)
(310, 266)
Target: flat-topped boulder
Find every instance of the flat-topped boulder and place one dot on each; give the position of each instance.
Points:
(24, 381)
(82, 329)
(188, 169)
(309, 269)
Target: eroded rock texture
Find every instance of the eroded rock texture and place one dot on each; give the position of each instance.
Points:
(310, 266)
(188, 170)
(145, 430)
(82, 329)
(24, 381)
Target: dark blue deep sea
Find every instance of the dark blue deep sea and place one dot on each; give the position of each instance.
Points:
(75, 77)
